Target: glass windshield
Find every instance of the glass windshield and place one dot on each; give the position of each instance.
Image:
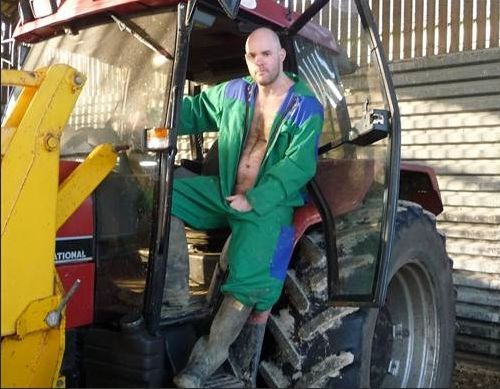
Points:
(126, 80)
(351, 177)
(124, 93)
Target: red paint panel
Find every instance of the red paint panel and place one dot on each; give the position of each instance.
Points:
(80, 308)
(81, 223)
(429, 171)
(344, 184)
(428, 198)
(71, 10)
(303, 218)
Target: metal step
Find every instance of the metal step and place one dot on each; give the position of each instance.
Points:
(197, 309)
(201, 267)
(223, 380)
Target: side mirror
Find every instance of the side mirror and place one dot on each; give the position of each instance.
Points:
(373, 127)
(230, 7)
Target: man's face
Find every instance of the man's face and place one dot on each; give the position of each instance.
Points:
(264, 59)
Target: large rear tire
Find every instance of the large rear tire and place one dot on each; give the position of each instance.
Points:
(409, 342)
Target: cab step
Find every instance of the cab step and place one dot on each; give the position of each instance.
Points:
(224, 380)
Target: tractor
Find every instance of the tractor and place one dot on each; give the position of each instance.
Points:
(368, 299)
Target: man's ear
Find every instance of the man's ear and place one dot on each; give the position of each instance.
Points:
(282, 54)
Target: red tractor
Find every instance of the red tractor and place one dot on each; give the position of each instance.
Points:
(368, 300)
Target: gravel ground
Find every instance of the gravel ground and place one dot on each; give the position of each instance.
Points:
(474, 374)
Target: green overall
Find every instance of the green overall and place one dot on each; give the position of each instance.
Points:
(262, 239)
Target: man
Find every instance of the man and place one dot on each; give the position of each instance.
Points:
(269, 124)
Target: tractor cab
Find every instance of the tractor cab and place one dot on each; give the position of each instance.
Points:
(140, 59)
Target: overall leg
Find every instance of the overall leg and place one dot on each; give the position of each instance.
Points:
(259, 253)
(211, 351)
(196, 201)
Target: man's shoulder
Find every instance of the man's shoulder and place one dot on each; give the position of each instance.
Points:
(240, 81)
(309, 106)
(235, 88)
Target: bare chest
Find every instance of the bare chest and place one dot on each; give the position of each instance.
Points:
(263, 118)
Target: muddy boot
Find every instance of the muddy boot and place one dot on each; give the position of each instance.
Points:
(176, 291)
(244, 354)
(211, 351)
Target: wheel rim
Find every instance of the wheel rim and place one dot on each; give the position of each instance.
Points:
(414, 331)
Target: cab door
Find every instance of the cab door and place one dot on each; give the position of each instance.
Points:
(358, 167)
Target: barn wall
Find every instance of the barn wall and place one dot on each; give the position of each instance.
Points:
(450, 108)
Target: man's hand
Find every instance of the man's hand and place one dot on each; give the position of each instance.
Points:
(239, 202)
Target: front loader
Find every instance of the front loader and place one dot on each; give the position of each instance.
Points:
(34, 206)
(368, 300)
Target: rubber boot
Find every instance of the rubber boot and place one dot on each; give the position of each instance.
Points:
(176, 291)
(244, 354)
(210, 352)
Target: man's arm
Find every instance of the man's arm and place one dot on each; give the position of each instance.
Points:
(293, 172)
(202, 112)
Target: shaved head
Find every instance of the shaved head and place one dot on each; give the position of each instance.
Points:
(264, 56)
(264, 34)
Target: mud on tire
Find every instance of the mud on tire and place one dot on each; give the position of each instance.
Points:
(409, 342)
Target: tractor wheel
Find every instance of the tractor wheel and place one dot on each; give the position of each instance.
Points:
(409, 342)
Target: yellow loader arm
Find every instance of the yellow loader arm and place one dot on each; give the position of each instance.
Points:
(33, 207)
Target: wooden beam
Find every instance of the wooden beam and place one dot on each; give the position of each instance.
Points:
(468, 24)
(443, 26)
(481, 24)
(396, 30)
(430, 26)
(353, 35)
(363, 47)
(494, 23)
(455, 26)
(408, 27)
(334, 15)
(419, 28)
(386, 25)
(344, 20)
(376, 14)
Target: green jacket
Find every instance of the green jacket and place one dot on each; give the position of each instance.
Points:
(290, 160)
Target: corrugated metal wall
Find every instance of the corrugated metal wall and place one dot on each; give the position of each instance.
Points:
(450, 109)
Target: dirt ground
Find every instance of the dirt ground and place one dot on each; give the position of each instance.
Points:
(476, 374)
